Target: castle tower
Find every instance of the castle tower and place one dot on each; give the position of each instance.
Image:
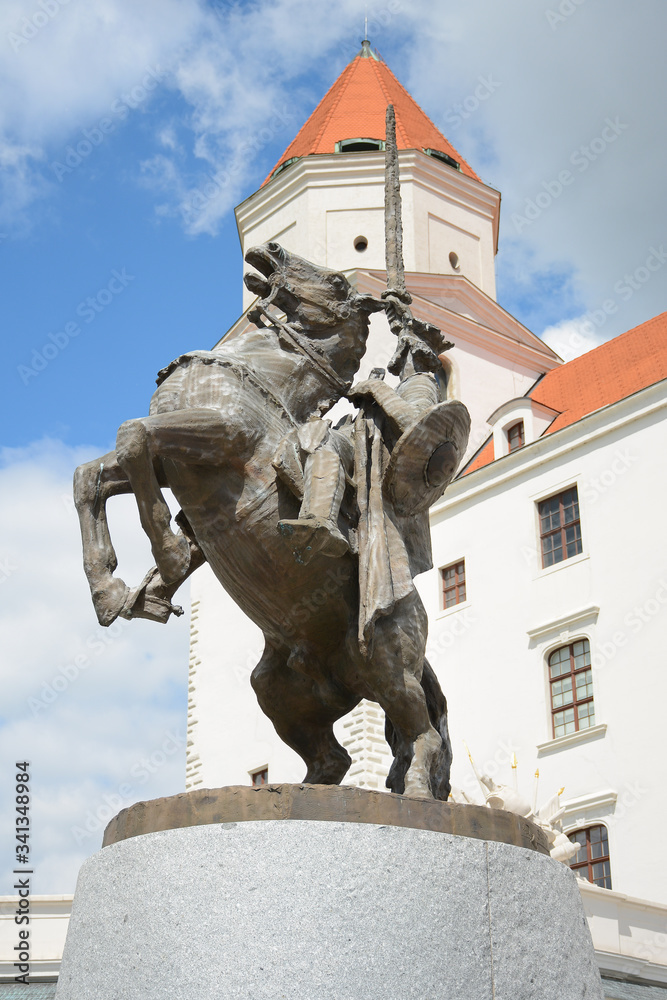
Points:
(324, 199)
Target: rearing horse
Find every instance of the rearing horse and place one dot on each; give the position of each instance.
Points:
(214, 426)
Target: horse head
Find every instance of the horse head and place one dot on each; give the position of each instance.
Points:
(320, 304)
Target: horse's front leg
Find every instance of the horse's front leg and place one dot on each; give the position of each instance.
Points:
(94, 483)
(188, 437)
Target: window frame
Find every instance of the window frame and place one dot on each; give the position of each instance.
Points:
(561, 529)
(255, 773)
(458, 583)
(588, 863)
(569, 644)
(522, 436)
(344, 145)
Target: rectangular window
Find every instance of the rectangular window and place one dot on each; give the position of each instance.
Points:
(560, 529)
(260, 777)
(571, 680)
(515, 436)
(453, 584)
(592, 859)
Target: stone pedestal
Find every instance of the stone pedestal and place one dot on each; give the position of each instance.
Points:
(324, 909)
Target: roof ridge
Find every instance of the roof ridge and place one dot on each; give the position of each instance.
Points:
(430, 120)
(319, 104)
(344, 81)
(605, 345)
(399, 123)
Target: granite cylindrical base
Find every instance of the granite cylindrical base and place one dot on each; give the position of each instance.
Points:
(266, 910)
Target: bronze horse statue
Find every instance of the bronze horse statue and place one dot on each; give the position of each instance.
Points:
(217, 426)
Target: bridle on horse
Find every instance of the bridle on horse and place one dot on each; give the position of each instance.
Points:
(293, 338)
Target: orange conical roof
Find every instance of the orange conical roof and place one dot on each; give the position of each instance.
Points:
(355, 108)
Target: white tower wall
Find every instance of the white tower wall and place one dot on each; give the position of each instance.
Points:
(318, 206)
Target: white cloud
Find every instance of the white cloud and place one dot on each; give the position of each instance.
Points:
(86, 726)
(62, 72)
(84, 58)
(239, 102)
(572, 337)
(235, 99)
(560, 84)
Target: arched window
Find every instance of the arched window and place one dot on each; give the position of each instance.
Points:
(571, 681)
(359, 145)
(592, 859)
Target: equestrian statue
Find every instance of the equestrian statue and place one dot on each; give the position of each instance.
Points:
(277, 500)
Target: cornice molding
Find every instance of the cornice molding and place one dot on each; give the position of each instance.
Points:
(567, 622)
(597, 802)
(511, 348)
(334, 169)
(571, 740)
(489, 312)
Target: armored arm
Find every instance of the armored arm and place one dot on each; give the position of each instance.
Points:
(400, 412)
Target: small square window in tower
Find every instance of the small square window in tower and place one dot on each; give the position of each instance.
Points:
(571, 682)
(453, 584)
(260, 777)
(560, 528)
(515, 436)
(592, 859)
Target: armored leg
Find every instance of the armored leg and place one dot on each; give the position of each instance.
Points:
(316, 529)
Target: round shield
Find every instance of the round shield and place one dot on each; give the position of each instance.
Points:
(426, 457)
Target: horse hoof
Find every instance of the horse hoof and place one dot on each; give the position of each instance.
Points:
(109, 602)
(417, 789)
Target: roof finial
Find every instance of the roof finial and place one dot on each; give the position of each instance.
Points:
(366, 51)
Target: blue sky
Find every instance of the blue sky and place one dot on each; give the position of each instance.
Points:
(168, 96)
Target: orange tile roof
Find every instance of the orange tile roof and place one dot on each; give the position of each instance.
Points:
(355, 108)
(484, 456)
(605, 375)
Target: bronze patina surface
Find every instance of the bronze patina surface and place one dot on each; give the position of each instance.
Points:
(326, 803)
(285, 505)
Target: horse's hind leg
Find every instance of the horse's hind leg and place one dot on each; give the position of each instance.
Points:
(437, 709)
(441, 763)
(394, 673)
(301, 718)
(152, 598)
